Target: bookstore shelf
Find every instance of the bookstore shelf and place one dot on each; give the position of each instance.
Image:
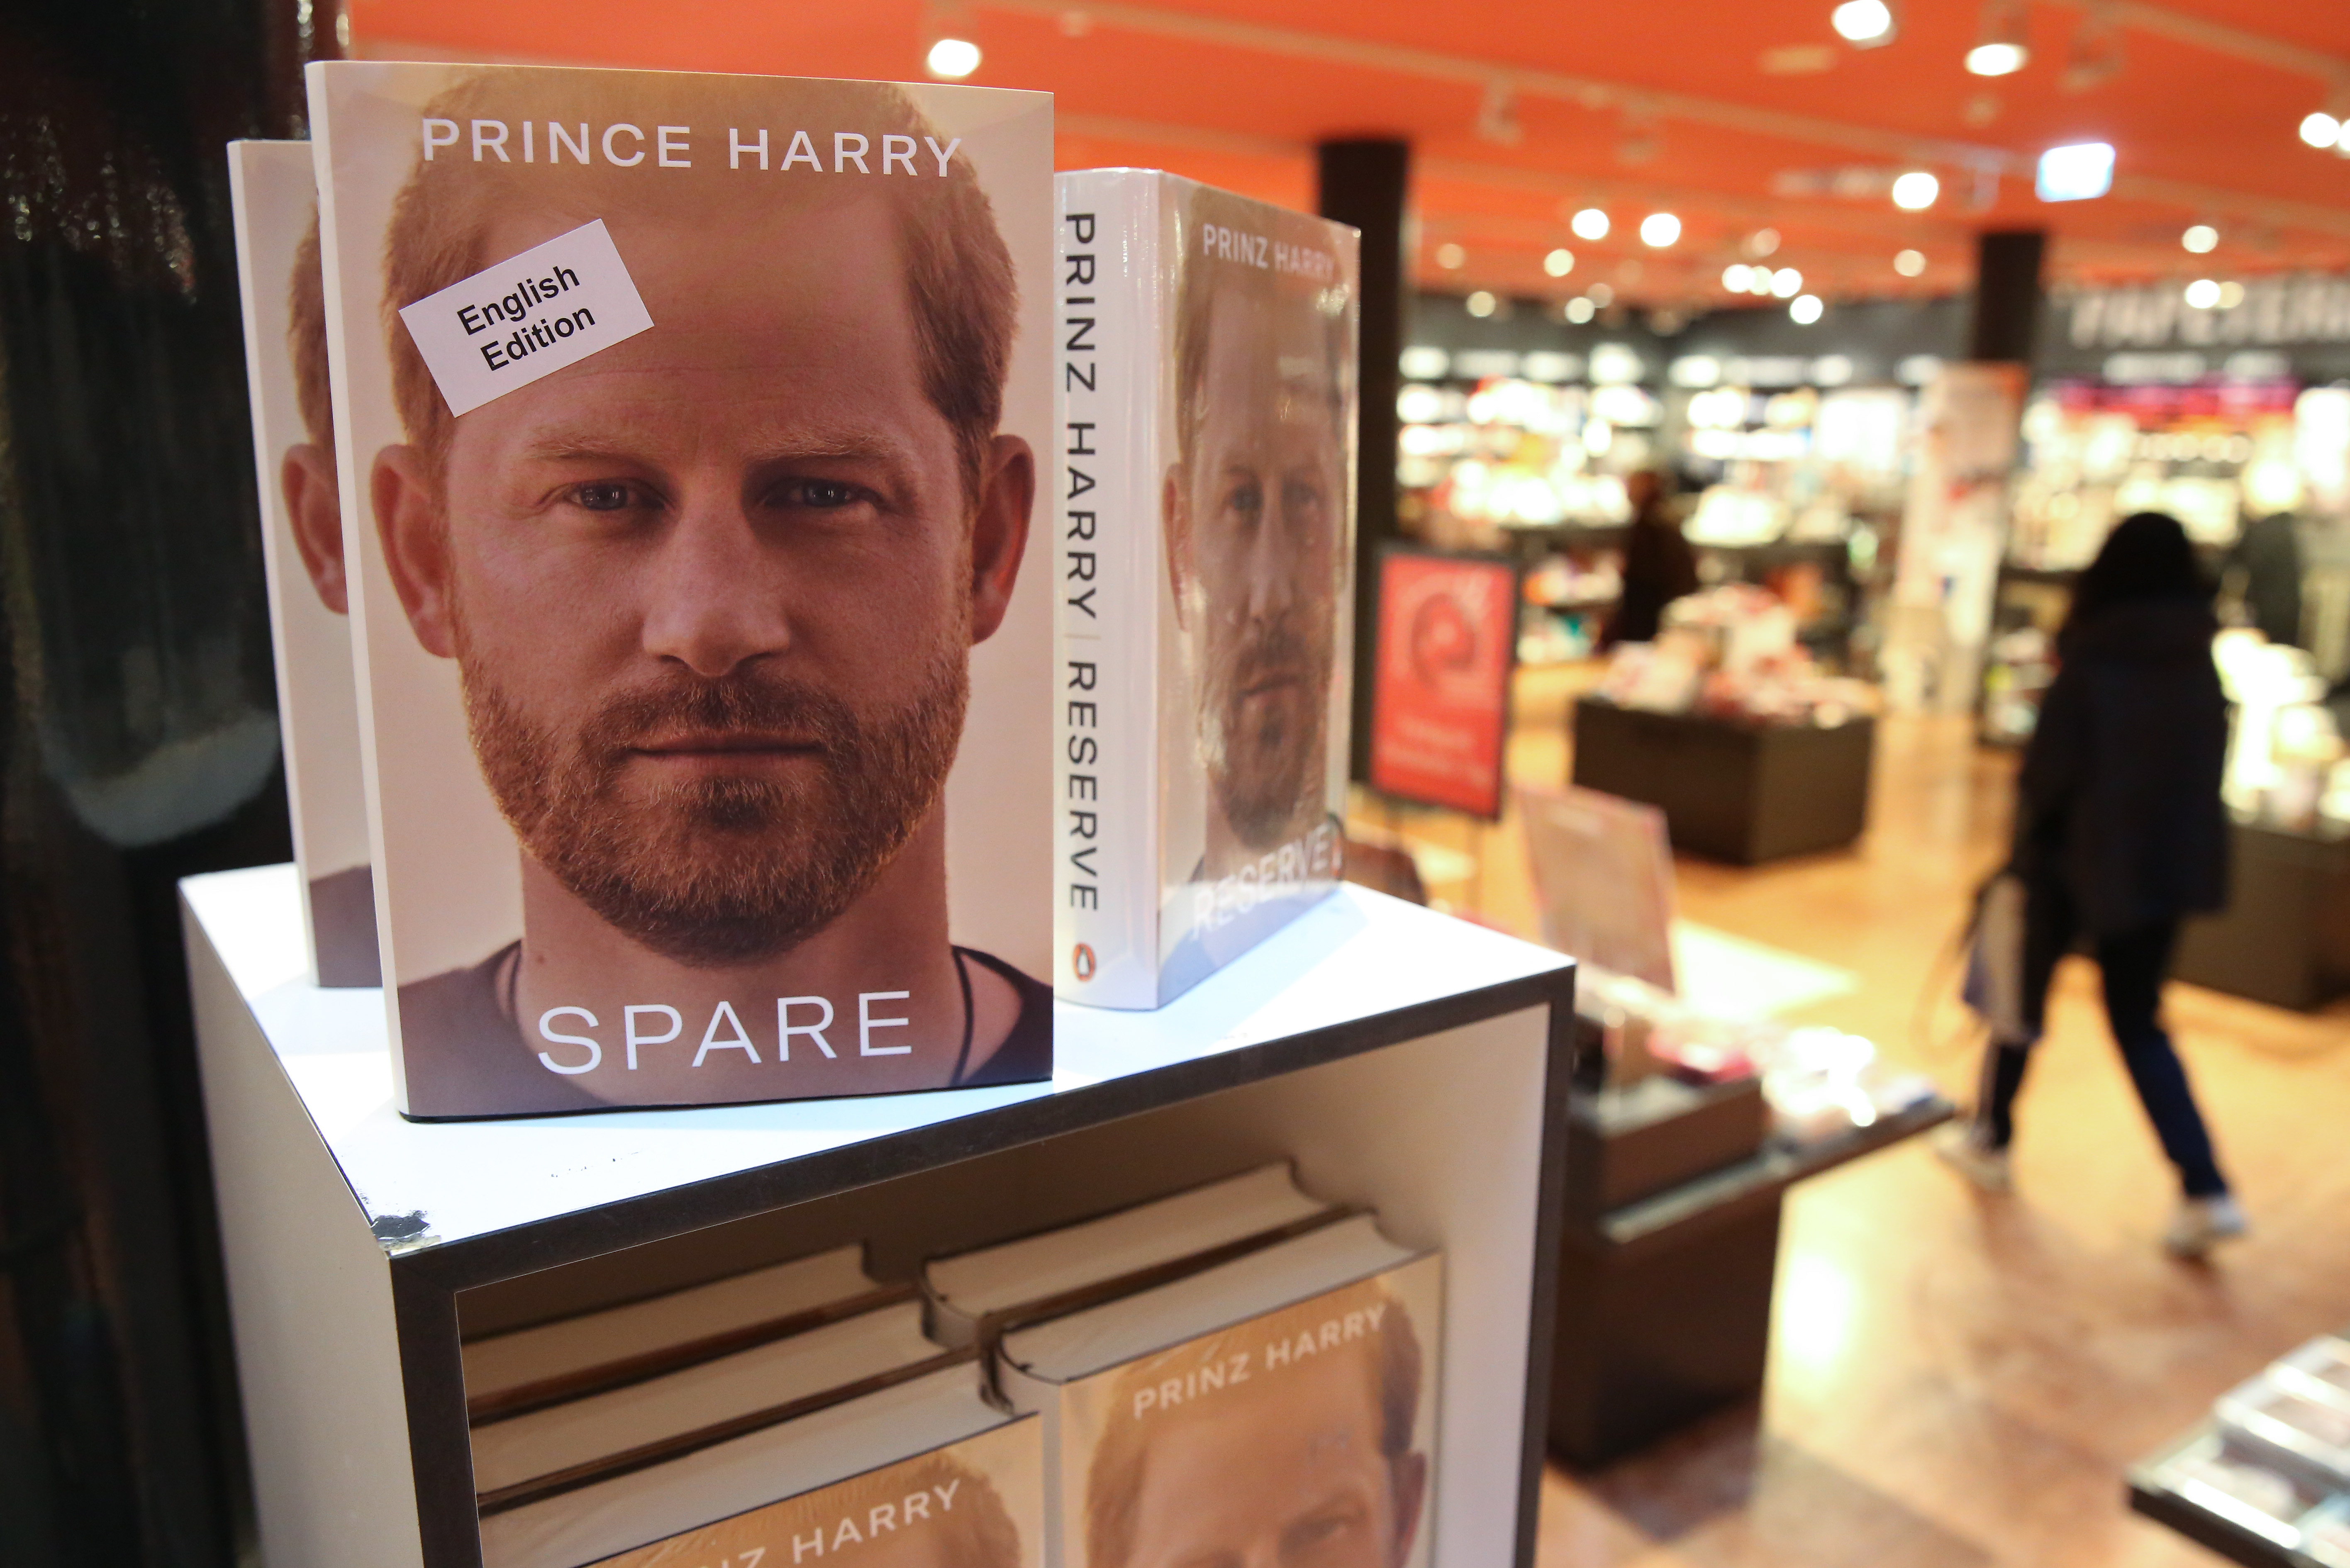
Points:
(1404, 1061)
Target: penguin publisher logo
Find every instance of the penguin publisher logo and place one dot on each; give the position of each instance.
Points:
(1082, 963)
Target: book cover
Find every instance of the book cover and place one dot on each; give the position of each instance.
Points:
(275, 208)
(692, 425)
(978, 1503)
(1207, 386)
(1304, 1434)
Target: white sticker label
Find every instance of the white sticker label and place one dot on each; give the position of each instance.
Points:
(527, 317)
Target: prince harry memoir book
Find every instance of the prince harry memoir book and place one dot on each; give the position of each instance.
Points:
(275, 207)
(690, 428)
(1206, 387)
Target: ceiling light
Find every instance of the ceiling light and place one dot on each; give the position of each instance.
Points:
(1480, 304)
(1578, 310)
(2200, 238)
(1759, 282)
(1805, 309)
(1863, 24)
(2002, 46)
(2320, 129)
(1600, 294)
(1559, 263)
(1659, 230)
(1915, 191)
(1450, 256)
(2203, 293)
(2232, 294)
(1786, 283)
(1909, 264)
(953, 58)
(1734, 277)
(1590, 223)
(2077, 172)
(1762, 242)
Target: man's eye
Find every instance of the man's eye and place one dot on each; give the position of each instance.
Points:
(1247, 499)
(603, 495)
(1299, 497)
(821, 494)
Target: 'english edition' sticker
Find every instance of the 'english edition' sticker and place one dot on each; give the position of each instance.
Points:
(527, 317)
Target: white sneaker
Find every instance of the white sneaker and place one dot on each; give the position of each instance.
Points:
(2202, 1221)
(1962, 1148)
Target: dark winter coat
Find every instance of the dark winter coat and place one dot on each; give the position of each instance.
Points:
(1658, 568)
(2120, 791)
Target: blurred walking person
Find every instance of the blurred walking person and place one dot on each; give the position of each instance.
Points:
(1659, 565)
(2119, 833)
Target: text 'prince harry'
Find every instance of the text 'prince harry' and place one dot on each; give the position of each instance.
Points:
(711, 593)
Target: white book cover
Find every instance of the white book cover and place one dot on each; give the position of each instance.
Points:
(1208, 1424)
(275, 207)
(693, 424)
(1206, 385)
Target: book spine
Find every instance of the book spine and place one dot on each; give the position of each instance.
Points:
(1109, 309)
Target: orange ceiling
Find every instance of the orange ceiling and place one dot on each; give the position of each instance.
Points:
(2202, 133)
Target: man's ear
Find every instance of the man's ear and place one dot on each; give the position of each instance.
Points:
(999, 531)
(407, 520)
(314, 507)
(1411, 1476)
(1175, 521)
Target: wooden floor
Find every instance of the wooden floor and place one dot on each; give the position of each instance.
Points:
(1959, 1379)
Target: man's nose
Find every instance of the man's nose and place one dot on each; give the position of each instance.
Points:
(716, 599)
(1273, 566)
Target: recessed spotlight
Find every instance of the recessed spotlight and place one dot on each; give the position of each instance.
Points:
(2232, 294)
(2200, 238)
(1659, 230)
(1578, 310)
(2077, 172)
(1600, 294)
(1915, 191)
(955, 59)
(1735, 276)
(1863, 24)
(1786, 283)
(1758, 282)
(1481, 304)
(1590, 223)
(1762, 242)
(1996, 59)
(2203, 293)
(1559, 263)
(1805, 309)
(2002, 46)
(1450, 256)
(1909, 264)
(2320, 129)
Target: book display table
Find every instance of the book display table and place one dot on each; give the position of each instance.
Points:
(1744, 793)
(1403, 1059)
(2285, 937)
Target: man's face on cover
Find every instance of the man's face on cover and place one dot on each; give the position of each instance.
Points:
(1284, 1471)
(712, 589)
(1260, 515)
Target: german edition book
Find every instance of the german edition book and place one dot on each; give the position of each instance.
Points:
(1206, 391)
(1280, 1406)
(274, 209)
(691, 426)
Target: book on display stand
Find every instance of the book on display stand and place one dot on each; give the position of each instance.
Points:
(692, 426)
(1207, 390)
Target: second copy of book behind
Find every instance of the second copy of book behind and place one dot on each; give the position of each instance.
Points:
(691, 426)
(275, 208)
(1207, 390)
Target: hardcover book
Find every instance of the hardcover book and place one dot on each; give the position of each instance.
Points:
(1207, 387)
(275, 208)
(1279, 1407)
(691, 425)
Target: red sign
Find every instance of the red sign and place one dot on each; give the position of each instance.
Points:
(1441, 693)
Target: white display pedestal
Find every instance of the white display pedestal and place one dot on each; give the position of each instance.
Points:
(1405, 1060)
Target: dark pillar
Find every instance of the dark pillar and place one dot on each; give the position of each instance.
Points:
(138, 744)
(1363, 184)
(2007, 296)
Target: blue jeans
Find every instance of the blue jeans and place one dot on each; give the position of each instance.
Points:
(2133, 965)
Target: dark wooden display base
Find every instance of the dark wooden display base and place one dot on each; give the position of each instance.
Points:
(1664, 1306)
(2285, 937)
(1732, 791)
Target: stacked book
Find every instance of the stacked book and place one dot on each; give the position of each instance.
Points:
(1219, 1372)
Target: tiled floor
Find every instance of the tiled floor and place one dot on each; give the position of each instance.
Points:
(1957, 1379)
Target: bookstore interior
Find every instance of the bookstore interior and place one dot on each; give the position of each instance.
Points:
(1464, 690)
